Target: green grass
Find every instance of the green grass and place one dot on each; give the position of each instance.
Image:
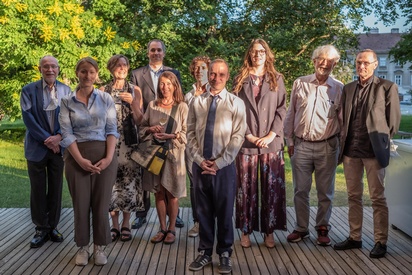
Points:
(15, 185)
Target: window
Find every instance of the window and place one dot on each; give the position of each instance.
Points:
(382, 61)
(398, 80)
(382, 76)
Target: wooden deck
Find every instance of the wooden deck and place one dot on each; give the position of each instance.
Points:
(139, 256)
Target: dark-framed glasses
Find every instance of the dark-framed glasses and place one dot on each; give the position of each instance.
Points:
(258, 52)
(366, 63)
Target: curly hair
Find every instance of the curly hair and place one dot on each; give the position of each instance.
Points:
(247, 65)
(192, 68)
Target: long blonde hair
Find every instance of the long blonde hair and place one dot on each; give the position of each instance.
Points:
(247, 65)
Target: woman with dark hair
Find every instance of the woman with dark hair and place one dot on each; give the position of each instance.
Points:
(127, 195)
(263, 91)
(89, 133)
(170, 184)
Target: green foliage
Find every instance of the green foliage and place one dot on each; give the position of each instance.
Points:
(63, 28)
(71, 29)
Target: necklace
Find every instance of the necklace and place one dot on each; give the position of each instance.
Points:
(168, 104)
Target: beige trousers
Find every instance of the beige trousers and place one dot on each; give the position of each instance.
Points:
(353, 169)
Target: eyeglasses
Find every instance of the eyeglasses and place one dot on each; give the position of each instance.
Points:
(366, 64)
(259, 52)
(321, 60)
(46, 67)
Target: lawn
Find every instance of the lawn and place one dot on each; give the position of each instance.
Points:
(15, 187)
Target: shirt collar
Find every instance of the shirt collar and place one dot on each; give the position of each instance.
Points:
(221, 95)
(314, 80)
(47, 85)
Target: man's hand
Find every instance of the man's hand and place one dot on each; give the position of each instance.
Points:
(52, 142)
(209, 167)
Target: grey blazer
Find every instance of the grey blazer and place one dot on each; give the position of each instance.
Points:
(141, 77)
(267, 115)
(383, 117)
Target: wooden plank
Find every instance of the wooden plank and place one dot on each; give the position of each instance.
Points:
(139, 256)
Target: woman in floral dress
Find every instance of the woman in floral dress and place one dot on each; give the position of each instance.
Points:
(127, 195)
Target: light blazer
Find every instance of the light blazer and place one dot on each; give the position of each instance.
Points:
(141, 77)
(383, 117)
(266, 116)
(35, 118)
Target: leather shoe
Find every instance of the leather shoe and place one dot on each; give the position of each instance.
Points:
(245, 240)
(179, 223)
(138, 222)
(378, 251)
(348, 244)
(39, 238)
(56, 236)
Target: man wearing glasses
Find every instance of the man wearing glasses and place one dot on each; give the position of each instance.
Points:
(147, 78)
(40, 107)
(371, 116)
(312, 130)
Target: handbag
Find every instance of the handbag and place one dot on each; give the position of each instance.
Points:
(152, 156)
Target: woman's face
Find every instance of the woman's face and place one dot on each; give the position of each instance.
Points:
(258, 55)
(86, 74)
(121, 69)
(166, 87)
(201, 71)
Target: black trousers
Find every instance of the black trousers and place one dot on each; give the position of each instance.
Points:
(215, 197)
(46, 181)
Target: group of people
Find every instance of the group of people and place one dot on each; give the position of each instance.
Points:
(230, 145)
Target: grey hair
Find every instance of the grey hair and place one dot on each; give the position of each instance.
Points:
(326, 49)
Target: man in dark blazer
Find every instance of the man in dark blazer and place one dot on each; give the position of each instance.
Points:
(40, 105)
(147, 78)
(371, 116)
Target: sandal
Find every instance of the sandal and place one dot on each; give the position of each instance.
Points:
(159, 237)
(125, 236)
(115, 234)
(170, 237)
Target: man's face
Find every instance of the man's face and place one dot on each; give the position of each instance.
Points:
(49, 69)
(201, 71)
(218, 76)
(156, 53)
(365, 65)
(324, 65)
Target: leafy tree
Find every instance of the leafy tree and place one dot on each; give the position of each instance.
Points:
(63, 28)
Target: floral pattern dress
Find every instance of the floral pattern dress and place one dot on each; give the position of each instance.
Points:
(127, 194)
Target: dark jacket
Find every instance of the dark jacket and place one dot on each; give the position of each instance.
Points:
(383, 117)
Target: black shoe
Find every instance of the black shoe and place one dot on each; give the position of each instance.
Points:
(39, 238)
(179, 222)
(348, 244)
(56, 236)
(378, 251)
(138, 222)
(225, 265)
(201, 261)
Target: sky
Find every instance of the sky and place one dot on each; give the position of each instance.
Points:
(370, 22)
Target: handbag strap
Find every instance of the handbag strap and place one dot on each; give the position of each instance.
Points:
(170, 123)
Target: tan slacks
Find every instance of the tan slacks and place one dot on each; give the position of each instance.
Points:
(353, 169)
(90, 194)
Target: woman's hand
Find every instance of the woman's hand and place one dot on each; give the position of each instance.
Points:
(88, 166)
(163, 136)
(126, 97)
(155, 129)
(103, 163)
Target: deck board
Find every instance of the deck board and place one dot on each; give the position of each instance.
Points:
(139, 256)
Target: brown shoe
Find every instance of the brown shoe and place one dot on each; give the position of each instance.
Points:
(245, 240)
(170, 237)
(269, 241)
(159, 237)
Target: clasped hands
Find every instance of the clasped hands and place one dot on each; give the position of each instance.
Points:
(96, 168)
(209, 167)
